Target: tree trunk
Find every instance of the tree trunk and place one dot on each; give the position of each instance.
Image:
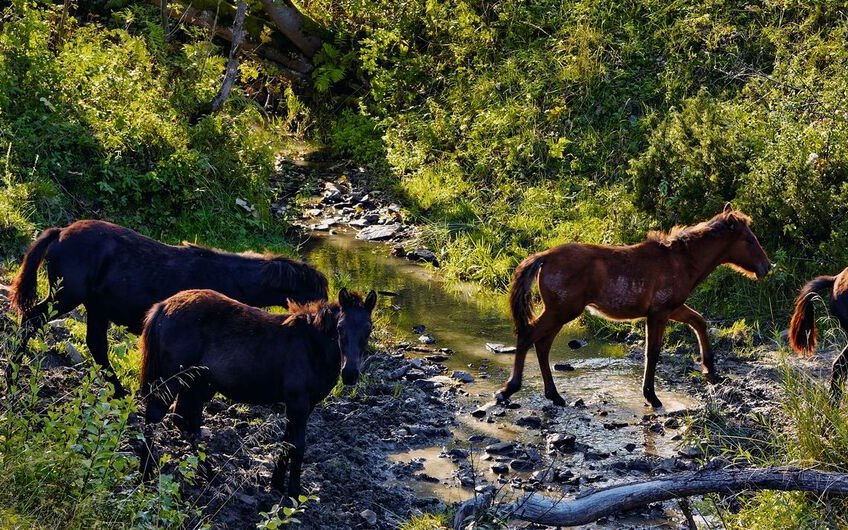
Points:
(232, 63)
(290, 23)
(599, 503)
(295, 65)
(163, 14)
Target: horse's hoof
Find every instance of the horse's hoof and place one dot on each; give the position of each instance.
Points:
(557, 400)
(712, 378)
(501, 398)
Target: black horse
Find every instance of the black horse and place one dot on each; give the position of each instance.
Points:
(199, 342)
(118, 274)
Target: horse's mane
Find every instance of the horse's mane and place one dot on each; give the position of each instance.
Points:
(721, 223)
(279, 270)
(320, 313)
(218, 251)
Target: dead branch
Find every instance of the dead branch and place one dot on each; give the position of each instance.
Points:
(599, 503)
(232, 63)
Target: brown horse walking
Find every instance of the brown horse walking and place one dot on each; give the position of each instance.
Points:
(118, 274)
(803, 334)
(199, 342)
(649, 280)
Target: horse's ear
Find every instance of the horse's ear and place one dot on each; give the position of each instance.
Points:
(371, 300)
(344, 297)
(728, 207)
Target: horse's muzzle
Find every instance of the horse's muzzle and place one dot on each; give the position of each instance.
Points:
(763, 269)
(350, 376)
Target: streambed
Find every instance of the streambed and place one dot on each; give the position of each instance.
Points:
(606, 435)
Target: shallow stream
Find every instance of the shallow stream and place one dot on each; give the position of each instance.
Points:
(464, 318)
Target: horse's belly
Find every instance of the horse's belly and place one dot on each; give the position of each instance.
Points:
(616, 313)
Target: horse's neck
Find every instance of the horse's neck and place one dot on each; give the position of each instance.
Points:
(329, 331)
(705, 254)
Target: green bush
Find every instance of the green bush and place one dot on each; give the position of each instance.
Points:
(102, 124)
(65, 454)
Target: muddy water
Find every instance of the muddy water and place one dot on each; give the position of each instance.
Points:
(464, 318)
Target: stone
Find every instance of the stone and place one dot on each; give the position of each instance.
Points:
(495, 347)
(672, 423)
(398, 251)
(370, 516)
(578, 404)
(562, 442)
(72, 353)
(462, 376)
(576, 344)
(423, 255)
(399, 372)
(501, 448)
(530, 422)
(5, 292)
(458, 454)
(520, 464)
(479, 413)
(379, 232)
(499, 469)
(563, 367)
(419, 329)
(690, 452)
(426, 339)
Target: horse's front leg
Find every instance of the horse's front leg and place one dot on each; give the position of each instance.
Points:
(654, 330)
(297, 414)
(686, 315)
(97, 326)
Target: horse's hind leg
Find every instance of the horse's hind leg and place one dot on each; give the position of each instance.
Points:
(35, 319)
(686, 315)
(189, 407)
(97, 326)
(655, 328)
(837, 376)
(513, 384)
(543, 350)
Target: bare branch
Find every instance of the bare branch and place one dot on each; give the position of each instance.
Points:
(232, 63)
(600, 503)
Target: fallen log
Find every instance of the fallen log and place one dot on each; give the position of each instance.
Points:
(595, 504)
(294, 65)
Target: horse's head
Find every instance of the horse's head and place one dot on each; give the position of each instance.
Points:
(354, 328)
(745, 253)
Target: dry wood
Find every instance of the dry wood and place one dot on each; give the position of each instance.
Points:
(290, 22)
(295, 66)
(232, 63)
(600, 503)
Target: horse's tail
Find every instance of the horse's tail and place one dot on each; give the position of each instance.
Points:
(151, 356)
(802, 329)
(24, 287)
(521, 294)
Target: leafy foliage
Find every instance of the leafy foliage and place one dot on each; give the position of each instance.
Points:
(510, 126)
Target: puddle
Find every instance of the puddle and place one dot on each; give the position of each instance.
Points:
(464, 317)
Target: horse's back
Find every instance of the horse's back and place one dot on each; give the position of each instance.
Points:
(247, 354)
(839, 298)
